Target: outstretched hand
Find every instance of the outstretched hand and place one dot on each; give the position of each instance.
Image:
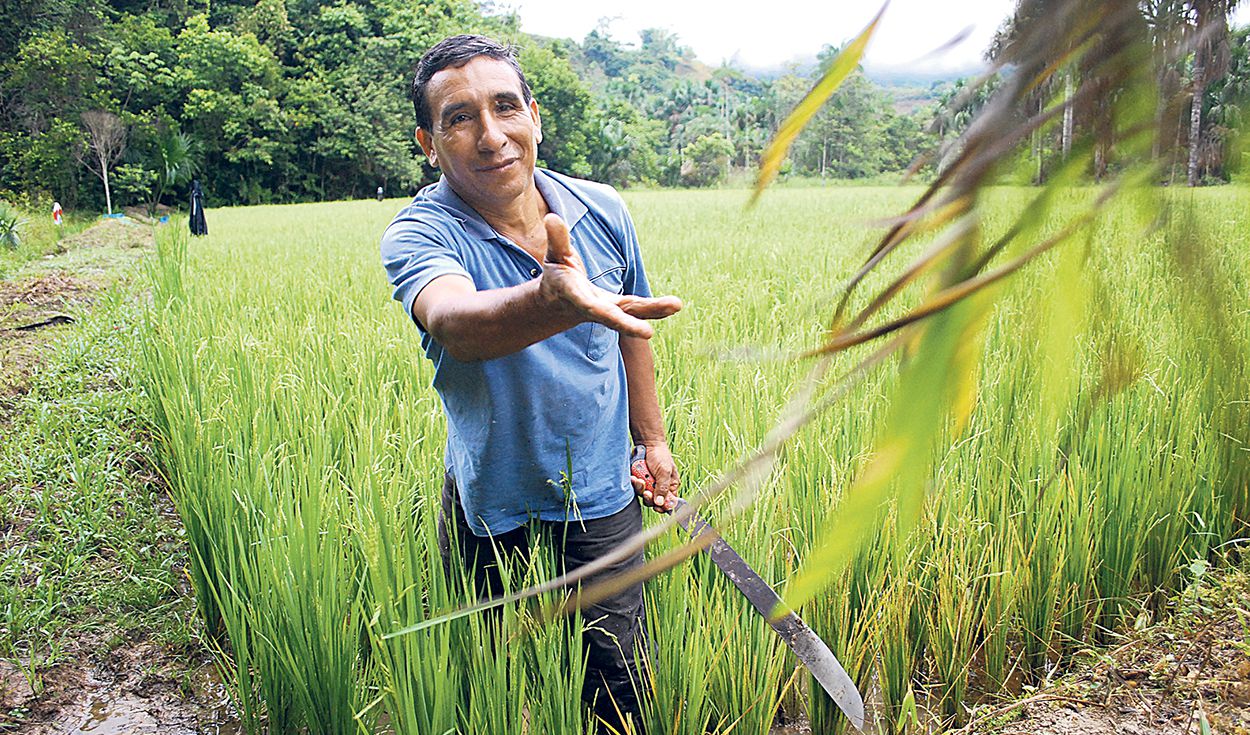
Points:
(565, 281)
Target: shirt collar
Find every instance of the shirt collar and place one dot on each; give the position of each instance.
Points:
(559, 198)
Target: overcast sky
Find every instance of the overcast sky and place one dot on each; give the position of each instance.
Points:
(756, 34)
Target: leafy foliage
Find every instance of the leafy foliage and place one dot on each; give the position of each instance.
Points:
(287, 101)
(11, 222)
(565, 106)
(295, 101)
(707, 160)
(837, 68)
(275, 103)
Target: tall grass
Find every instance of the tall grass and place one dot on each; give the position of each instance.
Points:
(304, 445)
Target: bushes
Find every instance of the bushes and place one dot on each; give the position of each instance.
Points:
(11, 223)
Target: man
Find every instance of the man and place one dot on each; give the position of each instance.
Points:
(530, 296)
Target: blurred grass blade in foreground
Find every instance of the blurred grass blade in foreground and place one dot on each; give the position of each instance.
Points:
(935, 393)
(840, 68)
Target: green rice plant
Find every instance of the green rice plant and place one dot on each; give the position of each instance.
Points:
(686, 633)
(998, 659)
(897, 655)
(1079, 603)
(743, 650)
(954, 617)
(303, 448)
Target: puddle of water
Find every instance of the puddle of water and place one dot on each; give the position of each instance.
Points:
(124, 713)
(125, 716)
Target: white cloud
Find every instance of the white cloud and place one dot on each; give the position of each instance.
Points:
(767, 35)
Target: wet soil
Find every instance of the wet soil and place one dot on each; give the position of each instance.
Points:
(1191, 668)
(139, 688)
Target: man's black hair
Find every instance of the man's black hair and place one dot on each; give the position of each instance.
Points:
(456, 51)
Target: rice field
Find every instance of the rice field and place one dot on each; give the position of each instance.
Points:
(304, 448)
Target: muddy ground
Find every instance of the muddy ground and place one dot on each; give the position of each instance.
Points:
(105, 682)
(1189, 674)
(137, 688)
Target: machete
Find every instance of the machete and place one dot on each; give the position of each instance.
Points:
(810, 649)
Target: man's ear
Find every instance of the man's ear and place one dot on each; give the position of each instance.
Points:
(538, 120)
(427, 146)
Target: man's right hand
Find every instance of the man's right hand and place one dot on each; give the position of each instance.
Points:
(483, 325)
(566, 286)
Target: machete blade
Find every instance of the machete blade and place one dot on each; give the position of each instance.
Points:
(807, 646)
(824, 666)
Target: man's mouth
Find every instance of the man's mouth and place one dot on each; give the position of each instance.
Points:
(499, 166)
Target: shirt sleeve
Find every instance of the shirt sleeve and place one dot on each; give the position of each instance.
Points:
(414, 255)
(635, 280)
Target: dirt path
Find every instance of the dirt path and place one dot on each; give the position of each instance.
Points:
(39, 300)
(99, 676)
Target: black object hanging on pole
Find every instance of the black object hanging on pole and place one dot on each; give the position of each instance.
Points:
(198, 225)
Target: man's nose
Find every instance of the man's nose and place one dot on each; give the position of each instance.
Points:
(491, 137)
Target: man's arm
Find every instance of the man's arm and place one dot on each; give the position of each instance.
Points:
(481, 325)
(646, 423)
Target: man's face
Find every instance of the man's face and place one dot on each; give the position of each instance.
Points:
(485, 137)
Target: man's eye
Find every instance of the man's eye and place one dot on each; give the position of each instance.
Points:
(457, 119)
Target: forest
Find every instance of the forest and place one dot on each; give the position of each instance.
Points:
(111, 104)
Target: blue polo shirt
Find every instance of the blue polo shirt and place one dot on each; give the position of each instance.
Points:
(544, 432)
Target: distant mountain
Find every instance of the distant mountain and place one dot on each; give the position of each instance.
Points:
(911, 89)
(889, 77)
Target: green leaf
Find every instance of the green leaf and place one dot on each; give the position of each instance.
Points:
(842, 66)
(936, 388)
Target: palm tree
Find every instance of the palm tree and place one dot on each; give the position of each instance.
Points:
(1209, 28)
(178, 155)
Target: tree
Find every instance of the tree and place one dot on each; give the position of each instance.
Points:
(106, 142)
(176, 158)
(50, 75)
(1227, 99)
(138, 65)
(132, 181)
(707, 160)
(43, 162)
(566, 108)
(231, 87)
(1210, 60)
(600, 48)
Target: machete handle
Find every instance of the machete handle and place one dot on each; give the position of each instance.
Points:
(638, 468)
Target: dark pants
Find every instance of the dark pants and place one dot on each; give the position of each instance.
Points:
(614, 633)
